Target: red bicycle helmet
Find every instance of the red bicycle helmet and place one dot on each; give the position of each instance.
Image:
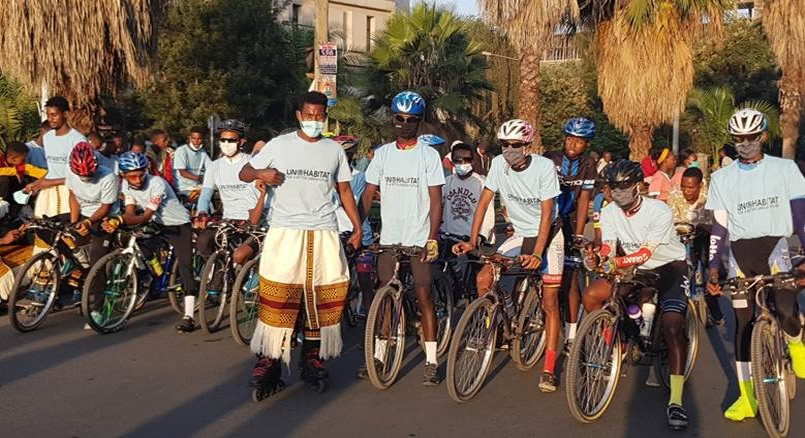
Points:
(83, 161)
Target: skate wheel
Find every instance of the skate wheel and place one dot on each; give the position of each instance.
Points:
(320, 386)
(257, 395)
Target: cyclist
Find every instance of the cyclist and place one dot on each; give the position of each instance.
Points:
(527, 184)
(241, 201)
(577, 173)
(643, 227)
(153, 195)
(302, 247)
(189, 163)
(409, 175)
(93, 197)
(757, 202)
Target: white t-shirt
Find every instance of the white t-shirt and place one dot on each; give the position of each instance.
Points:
(157, 195)
(460, 201)
(195, 162)
(57, 151)
(307, 199)
(404, 178)
(91, 195)
(237, 197)
(652, 225)
(757, 197)
(523, 192)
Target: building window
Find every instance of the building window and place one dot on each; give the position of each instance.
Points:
(370, 31)
(348, 32)
(745, 10)
(295, 13)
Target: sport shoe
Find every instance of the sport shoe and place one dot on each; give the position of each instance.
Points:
(186, 325)
(677, 417)
(431, 376)
(547, 382)
(797, 352)
(742, 408)
(363, 373)
(567, 347)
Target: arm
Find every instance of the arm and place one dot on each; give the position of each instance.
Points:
(435, 194)
(130, 217)
(488, 225)
(272, 177)
(204, 201)
(256, 213)
(581, 213)
(350, 207)
(35, 172)
(189, 175)
(546, 207)
(367, 198)
(75, 208)
(484, 204)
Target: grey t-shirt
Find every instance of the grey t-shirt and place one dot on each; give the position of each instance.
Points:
(307, 199)
(103, 189)
(195, 162)
(157, 195)
(57, 151)
(238, 197)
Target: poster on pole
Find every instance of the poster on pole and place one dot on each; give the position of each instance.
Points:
(327, 86)
(328, 58)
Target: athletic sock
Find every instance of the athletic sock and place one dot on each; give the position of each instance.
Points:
(677, 384)
(189, 305)
(430, 352)
(550, 361)
(380, 350)
(571, 331)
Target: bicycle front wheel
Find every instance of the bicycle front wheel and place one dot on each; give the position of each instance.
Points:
(661, 360)
(213, 291)
(593, 367)
(34, 292)
(443, 304)
(528, 346)
(175, 291)
(110, 292)
(243, 309)
(769, 378)
(384, 340)
(472, 350)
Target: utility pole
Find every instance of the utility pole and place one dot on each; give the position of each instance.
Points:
(321, 33)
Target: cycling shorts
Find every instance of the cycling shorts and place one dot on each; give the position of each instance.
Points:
(760, 256)
(553, 259)
(672, 286)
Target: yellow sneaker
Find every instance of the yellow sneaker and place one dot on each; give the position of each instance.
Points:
(797, 352)
(745, 406)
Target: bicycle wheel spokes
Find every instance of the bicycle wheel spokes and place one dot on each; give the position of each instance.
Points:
(244, 308)
(35, 292)
(384, 341)
(530, 344)
(110, 293)
(768, 375)
(472, 350)
(213, 291)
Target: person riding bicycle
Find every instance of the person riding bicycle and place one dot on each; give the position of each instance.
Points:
(577, 174)
(644, 229)
(159, 204)
(190, 162)
(242, 202)
(527, 184)
(409, 175)
(757, 203)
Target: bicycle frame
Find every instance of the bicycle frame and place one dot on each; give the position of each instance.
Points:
(139, 262)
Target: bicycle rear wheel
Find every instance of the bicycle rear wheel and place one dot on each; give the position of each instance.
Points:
(593, 367)
(384, 339)
(661, 360)
(769, 378)
(34, 292)
(110, 292)
(443, 304)
(528, 347)
(175, 291)
(243, 308)
(213, 291)
(472, 350)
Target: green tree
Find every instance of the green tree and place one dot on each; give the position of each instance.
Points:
(19, 119)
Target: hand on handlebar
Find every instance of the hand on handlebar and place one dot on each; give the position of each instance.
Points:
(462, 248)
(713, 288)
(82, 228)
(530, 261)
(110, 224)
(431, 251)
(354, 241)
(200, 222)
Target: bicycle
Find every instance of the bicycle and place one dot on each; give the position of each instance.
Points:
(520, 319)
(596, 357)
(386, 327)
(772, 371)
(455, 275)
(696, 271)
(38, 287)
(243, 307)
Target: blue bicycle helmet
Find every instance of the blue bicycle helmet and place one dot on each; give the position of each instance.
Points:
(580, 127)
(129, 161)
(408, 102)
(431, 140)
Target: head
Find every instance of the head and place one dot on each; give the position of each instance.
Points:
(462, 156)
(692, 184)
(159, 138)
(95, 140)
(138, 147)
(134, 168)
(689, 158)
(623, 177)
(514, 136)
(118, 143)
(594, 155)
(56, 110)
(749, 130)
(16, 152)
(409, 109)
(665, 159)
(311, 114)
(196, 138)
(578, 133)
(230, 134)
(607, 156)
(83, 161)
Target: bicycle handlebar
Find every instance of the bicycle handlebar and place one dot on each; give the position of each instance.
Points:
(401, 250)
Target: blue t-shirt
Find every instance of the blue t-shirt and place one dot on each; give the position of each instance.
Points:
(404, 178)
(195, 162)
(523, 192)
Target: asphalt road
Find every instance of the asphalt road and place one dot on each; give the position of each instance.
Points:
(149, 381)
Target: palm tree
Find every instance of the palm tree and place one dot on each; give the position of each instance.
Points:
(645, 60)
(529, 25)
(784, 23)
(18, 116)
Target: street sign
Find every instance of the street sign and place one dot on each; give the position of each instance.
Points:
(328, 58)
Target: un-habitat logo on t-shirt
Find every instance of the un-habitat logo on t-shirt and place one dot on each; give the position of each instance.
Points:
(58, 158)
(227, 187)
(308, 174)
(523, 201)
(764, 203)
(402, 181)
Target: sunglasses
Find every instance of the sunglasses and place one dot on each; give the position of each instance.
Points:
(749, 137)
(623, 185)
(515, 145)
(462, 160)
(228, 140)
(400, 119)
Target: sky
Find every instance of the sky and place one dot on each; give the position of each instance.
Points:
(464, 7)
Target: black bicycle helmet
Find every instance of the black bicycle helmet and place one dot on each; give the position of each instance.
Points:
(622, 173)
(232, 125)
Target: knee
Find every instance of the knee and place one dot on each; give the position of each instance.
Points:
(550, 302)
(673, 324)
(483, 280)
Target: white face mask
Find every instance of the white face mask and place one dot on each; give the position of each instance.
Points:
(228, 148)
(312, 128)
(194, 147)
(463, 169)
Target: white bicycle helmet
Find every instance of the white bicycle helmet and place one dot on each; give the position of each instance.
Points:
(747, 121)
(516, 129)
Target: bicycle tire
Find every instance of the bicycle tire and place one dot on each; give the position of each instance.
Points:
(384, 303)
(457, 392)
(531, 320)
(175, 291)
(692, 335)
(702, 311)
(588, 334)
(443, 305)
(765, 350)
(215, 301)
(248, 302)
(16, 295)
(129, 301)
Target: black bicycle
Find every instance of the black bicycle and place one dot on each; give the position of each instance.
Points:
(244, 305)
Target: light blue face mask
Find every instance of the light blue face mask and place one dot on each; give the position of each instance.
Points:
(21, 197)
(312, 128)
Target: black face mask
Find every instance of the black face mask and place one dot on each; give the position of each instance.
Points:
(406, 130)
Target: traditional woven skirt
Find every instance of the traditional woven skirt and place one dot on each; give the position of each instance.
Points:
(11, 256)
(52, 201)
(301, 271)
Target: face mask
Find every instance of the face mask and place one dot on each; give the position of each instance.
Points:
(21, 197)
(694, 164)
(749, 149)
(312, 128)
(194, 147)
(624, 197)
(407, 130)
(463, 169)
(515, 157)
(228, 148)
